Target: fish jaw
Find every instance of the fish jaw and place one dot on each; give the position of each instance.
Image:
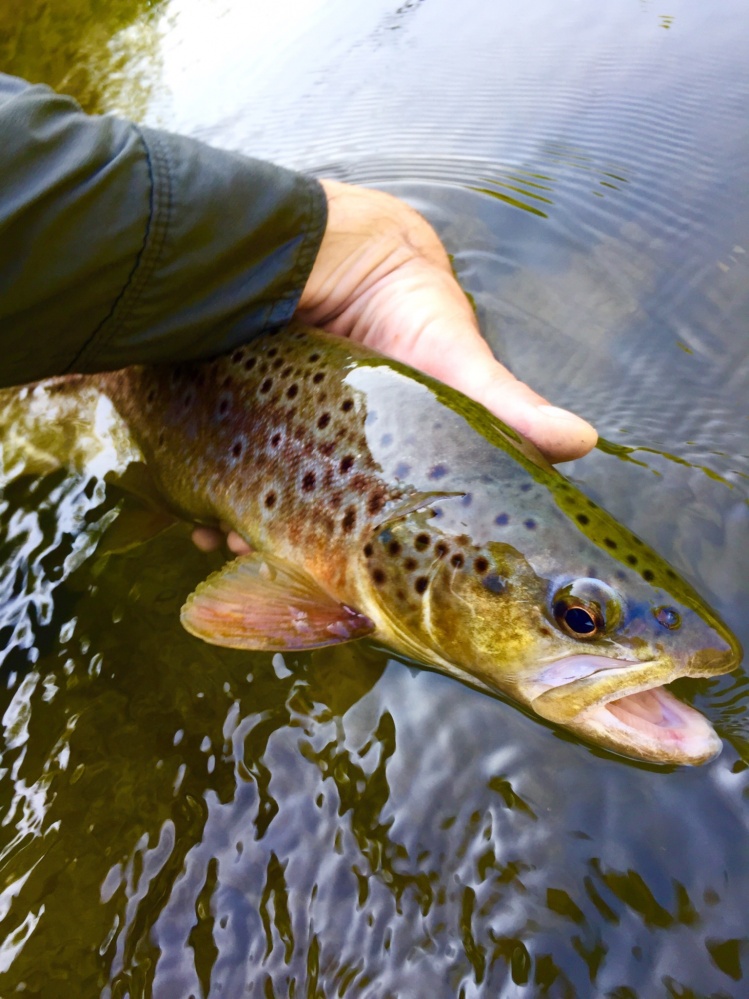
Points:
(624, 706)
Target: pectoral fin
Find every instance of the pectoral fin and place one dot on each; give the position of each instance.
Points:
(260, 602)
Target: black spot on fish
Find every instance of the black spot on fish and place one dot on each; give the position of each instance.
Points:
(272, 352)
(150, 398)
(277, 363)
(394, 548)
(346, 405)
(227, 382)
(583, 518)
(270, 500)
(349, 519)
(421, 542)
(318, 377)
(335, 500)
(480, 564)
(378, 576)
(250, 363)
(323, 421)
(420, 584)
(530, 523)
(457, 560)
(410, 564)
(326, 447)
(610, 543)
(286, 371)
(376, 500)
(466, 500)
(237, 356)
(438, 471)
(441, 549)
(223, 407)
(526, 487)
(308, 482)
(368, 550)
(347, 463)
(621, 576)
(648, 575)
(267, 385)
(386, 440)
(314, 357)
(502, 519)
(402, 470)
(632, 559)
(494, 583)
(292, 390)
(236, 448)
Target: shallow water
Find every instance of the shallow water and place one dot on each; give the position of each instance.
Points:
(180, 820)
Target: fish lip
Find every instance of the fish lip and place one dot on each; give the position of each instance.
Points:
(638, 718)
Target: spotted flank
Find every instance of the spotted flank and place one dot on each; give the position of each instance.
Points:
(380, 502)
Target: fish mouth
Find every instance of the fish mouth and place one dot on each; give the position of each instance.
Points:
(625, 707)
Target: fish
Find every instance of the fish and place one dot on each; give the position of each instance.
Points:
(378, 502)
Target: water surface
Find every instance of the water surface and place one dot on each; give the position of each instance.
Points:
(180, 820)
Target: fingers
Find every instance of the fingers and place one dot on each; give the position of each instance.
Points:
(209, 539)
(466, 363)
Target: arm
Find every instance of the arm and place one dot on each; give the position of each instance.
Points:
(123, 245)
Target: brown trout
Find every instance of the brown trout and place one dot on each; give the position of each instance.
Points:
(379, 502)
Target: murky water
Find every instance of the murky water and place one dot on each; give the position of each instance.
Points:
(179, 820)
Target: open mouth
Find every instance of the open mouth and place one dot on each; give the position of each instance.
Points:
(624, 706)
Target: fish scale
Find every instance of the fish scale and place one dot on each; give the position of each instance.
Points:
(380, 502)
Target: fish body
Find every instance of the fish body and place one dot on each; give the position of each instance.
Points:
(378, 501)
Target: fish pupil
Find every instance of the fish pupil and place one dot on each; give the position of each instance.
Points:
(578, 620)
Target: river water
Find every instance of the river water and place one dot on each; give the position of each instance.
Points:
(179, 820)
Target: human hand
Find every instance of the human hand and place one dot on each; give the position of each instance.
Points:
(383, 278)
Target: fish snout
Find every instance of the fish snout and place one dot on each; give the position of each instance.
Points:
(721, 657)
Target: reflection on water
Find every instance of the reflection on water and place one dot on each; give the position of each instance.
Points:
(183, 820)
(105, 54)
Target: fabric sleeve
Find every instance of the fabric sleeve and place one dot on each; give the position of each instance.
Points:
(123, 245)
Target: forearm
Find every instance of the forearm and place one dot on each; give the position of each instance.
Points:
(121, 245)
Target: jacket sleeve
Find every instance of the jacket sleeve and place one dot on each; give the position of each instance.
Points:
(123, 245)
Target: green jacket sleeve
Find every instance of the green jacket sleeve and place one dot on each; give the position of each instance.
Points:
(123, 245)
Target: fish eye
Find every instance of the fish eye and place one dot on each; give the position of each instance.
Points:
(668, 617)
(586, 608)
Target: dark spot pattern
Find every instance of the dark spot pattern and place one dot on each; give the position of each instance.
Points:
(270, 500)
(349, 519)
(438, 472)
(480, 564)
(457, 560)
(347, 463)
(420, 584)
(530, 523)
(309, 481)
(422, 542)
(323, 421)
(378, 576)
(347, 405)
(494, 583)
(583, 518)
(394, 548)
(267, 385)
(502, 519)
(648, 575)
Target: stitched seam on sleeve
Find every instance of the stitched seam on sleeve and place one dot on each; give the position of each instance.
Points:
(278, 312)
(160, 208)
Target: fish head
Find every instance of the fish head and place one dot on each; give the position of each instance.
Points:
(592, 653)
